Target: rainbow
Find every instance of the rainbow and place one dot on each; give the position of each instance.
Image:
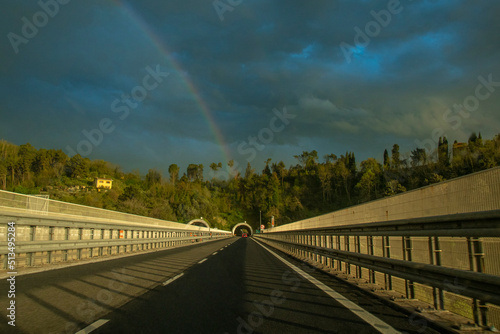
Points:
(145, 28)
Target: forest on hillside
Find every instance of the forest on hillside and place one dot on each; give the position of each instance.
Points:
(308, 188)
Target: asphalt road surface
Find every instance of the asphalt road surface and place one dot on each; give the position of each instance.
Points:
(236, 285)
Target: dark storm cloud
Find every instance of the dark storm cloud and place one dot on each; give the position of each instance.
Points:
(264, 55)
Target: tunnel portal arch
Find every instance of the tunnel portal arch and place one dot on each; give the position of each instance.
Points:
(242, 224)
(199, 222)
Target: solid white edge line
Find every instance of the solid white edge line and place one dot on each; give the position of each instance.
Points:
(202, 260)
(366, 316)
(93, 326)
(172, 279)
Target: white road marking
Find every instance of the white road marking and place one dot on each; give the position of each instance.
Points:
(203, 260)
(93, 326)
(172, 279)
(214, 253)
(366, 316)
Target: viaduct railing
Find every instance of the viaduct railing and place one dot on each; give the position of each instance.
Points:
(447, 258)
(38, 231)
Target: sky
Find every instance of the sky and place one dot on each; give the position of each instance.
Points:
(146, 84)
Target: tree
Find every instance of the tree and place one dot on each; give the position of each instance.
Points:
(27, 154)
(3, 174)
(387, 162)
(393, 187)
(343, 173)
(365, 185)
(153, 177)
(280, 170)
(214, 167)
(249, 172)
(78, 167)
(100, 168)
(195, 172)
(395, 162)
(173, 170)
(330, 158)
(10, 154)
(230, 163)
(192, 171)
(131, 192)
(42, 161)
(307, 159)
(199, 173)
(443, 154)
(267, 170)
(369, 184)
(418, 157)
(325, 174)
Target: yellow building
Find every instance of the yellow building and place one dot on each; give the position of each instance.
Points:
(103, 183)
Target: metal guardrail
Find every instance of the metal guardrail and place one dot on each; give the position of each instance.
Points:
(334, 247)
(55, 237)
(58, 245)
(472, 284)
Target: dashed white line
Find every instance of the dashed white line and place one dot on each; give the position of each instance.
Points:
(214, 253)
(172, 279)
(366, 316)
(203, 260)
(93, 326)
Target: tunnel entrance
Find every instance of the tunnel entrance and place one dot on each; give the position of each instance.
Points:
(199, 222)
(242, 228)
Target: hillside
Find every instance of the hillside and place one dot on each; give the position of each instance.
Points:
(306, 189)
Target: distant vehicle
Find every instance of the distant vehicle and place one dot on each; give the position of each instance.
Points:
(244, 235)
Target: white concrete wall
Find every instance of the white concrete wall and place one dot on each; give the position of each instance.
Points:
(472, 193)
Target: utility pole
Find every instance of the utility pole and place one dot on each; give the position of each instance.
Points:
(260, 213)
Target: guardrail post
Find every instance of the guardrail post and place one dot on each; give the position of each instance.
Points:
(347, 248)
(329, 242)
(387, 253)
(475, 304)
(339, 262)
(407, 256)
(305, 253)
(476, 263)
(297, 240)
(309, 243)
(324, 243)
(438, 293)
(313, 243)
(359, 273)
(317, 242)
(371, 273)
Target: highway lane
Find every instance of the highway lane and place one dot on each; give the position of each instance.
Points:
(68, 299)
(244, 288)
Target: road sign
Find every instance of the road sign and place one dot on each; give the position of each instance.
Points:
(262, 227)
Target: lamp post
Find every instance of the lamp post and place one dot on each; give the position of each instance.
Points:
(260, 220)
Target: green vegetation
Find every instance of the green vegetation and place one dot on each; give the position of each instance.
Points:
(307, 189)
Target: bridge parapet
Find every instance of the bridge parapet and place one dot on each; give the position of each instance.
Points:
(444, 254)
(48, 232)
